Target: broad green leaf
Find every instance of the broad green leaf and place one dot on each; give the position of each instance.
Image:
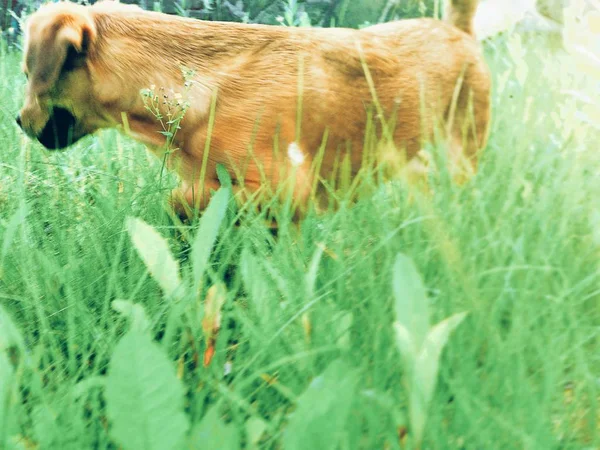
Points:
(144, 397)
(10, 335)
(134, 312)
(411, 305)
(405, 346)
(213, 434)
(322, 410)
(425, 373)
(207, 233)
(154, 251)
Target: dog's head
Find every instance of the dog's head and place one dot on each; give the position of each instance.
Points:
(58, 40)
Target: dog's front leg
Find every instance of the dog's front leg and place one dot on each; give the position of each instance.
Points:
(192, 196)
(189, 197)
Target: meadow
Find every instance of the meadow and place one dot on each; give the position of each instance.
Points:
(121, 327)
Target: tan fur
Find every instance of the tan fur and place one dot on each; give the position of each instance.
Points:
(255, 71)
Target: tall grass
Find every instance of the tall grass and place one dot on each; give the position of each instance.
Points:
(304, 353)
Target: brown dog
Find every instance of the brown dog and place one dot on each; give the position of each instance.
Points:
(264, 98)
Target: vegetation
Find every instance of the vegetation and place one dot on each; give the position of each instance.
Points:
(318, 12)
(120, 327)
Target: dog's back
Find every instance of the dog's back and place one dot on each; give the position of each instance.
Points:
(299, 89)
(444, 62)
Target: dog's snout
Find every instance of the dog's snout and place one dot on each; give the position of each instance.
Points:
(59, 131)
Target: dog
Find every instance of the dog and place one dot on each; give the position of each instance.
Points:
(264, 101)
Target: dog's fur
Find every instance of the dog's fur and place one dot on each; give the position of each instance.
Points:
(86, 66)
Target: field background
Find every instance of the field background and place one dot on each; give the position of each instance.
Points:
(96, 354)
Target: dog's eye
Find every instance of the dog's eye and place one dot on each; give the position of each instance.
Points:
(73, 59)
(70, 59)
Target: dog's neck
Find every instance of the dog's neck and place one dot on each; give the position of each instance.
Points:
(145, 51)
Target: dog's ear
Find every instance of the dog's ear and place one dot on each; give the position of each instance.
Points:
(58, 44)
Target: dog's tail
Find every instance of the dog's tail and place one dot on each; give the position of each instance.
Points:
(460, 13)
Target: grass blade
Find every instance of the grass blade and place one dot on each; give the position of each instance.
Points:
(207, 233)
(311, 276)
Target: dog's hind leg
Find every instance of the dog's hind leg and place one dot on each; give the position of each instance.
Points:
(468, 124)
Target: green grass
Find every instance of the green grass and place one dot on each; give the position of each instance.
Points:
(517, 247)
